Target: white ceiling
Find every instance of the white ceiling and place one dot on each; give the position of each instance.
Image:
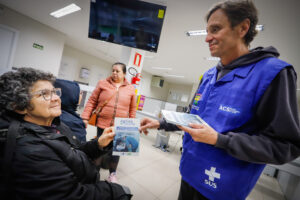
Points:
(186, 55)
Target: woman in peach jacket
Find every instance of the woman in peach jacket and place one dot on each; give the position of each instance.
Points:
(121, 102)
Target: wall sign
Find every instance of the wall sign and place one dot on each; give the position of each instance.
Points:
(38, 46)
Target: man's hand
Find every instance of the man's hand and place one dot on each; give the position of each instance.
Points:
(148, 123)
(201, 133)
(106, 137)
(85, 122)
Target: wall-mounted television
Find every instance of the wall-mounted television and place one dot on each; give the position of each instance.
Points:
(130, 23)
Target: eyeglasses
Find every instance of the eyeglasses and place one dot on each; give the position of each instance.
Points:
(47, 94)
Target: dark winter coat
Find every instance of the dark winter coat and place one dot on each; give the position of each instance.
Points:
(49, 164)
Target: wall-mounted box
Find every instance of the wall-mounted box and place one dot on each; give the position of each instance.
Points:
(157, 81)
(84, 73)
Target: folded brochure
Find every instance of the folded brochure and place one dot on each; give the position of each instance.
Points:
(127, 138)
(180, 118)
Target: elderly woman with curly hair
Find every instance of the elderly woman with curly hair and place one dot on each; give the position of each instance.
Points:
(47, 162)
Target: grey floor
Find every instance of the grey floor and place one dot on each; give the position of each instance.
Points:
(154, 174)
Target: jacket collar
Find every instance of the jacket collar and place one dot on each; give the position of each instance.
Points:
(109, 79)
(42, 130)
(241, 71)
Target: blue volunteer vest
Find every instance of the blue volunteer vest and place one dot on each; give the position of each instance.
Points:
(227, 105)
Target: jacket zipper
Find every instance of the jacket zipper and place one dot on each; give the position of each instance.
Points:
(115, 107)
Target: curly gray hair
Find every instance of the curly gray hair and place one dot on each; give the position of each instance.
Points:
(15, 87)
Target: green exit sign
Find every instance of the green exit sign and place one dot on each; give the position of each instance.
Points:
(38, 46)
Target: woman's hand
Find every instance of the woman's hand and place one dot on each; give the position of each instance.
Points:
(106, 137)
(201, 133)
(85, 123)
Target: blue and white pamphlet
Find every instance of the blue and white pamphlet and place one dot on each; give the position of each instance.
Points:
(183, 119)
(127, 138)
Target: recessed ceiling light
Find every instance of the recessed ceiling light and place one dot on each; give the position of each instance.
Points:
(172, 75)
(260, 27)
(65, 11)
(203, 32)
(211, 58)
(162, 68)
(197, 32)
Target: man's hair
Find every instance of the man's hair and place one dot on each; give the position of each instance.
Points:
(15, 87)
(123, 66)
(238, 11)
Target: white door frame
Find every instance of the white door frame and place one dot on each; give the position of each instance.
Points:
(13, 47)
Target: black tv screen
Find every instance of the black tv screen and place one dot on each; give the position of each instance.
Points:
(130, 23)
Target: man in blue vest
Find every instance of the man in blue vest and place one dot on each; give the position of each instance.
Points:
(249, 101)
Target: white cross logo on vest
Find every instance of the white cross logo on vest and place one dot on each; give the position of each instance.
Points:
(212, 174)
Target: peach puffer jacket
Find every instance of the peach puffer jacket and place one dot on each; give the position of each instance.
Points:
(122, 104)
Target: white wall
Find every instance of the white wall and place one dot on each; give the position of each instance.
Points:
(31, 31)
(62, 60)
(153, 92)
(281, 20)
(176, 92)
(73, 60)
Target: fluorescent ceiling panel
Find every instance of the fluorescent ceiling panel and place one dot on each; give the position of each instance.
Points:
(65, 11)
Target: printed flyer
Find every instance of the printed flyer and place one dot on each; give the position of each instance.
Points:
(127, 138)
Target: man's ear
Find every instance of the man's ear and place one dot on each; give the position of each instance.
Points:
(244, 27)
(22, 112)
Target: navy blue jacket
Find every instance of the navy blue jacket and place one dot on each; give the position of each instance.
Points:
(69, 102)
